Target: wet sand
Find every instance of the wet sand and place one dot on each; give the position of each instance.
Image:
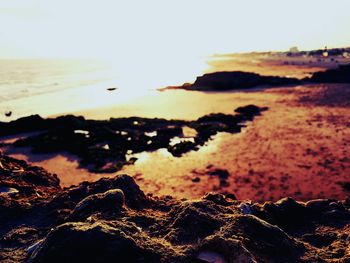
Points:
(298, 148)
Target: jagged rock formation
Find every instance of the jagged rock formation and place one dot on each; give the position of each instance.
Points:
(234, 80)
(238, 80)
(104, 146)
(113, 220)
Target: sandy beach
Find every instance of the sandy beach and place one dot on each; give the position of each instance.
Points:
(174, 131)
(300, 142)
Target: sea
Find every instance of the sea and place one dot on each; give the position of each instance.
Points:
(22, 78)
(48, 87)
(51, 87)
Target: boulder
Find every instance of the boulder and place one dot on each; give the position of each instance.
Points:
(96, 242)
(250, 111)
(223, 250)
(111, 201)
(338, 75)
(266, 242)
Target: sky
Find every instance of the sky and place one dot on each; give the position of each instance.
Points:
(102, 28)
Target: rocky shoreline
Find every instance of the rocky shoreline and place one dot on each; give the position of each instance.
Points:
(107, 146)
(114, 220)
(239, 80)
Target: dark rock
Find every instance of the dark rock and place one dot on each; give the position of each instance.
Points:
(180, 148)
(222, 174)
(34, 225)
(103, 146)
(196, 180)
(265, 241)
(318, 205)
(26, 124)
(338, 75)
(110, 201)
(111, 89)
(192, 220)
(345, 186)
(220, 199)
(232, 250)
(19, 236)
(226, 80)
(229, 120)
(23, 187)
(134, 197)
(286, 213)
(250, 111)
(97, 242)
(320, 240)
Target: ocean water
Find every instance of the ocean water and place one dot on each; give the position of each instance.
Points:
(54, 87)
(25, 78)
(51, 87)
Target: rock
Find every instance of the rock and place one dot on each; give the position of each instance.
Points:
(286, 213)
(221, 81)
(222, 174)
(179, 149)
(23, 187)
(220, 199)
(11, 208)
(220, 250)
(338, 75)
(20, 172)
(211, 256)
(230, 120)
(8, 190)
(196, 180)
(134, 197)
(36, 178)
(265, 241)
(320, 240)
(111, 201)
(21, 125)
(122, 224)
(103, 146)
(112, 88)
(318, 205)
(192, 220)
(250, 111)
(345, 186)
(97, 242)
(246, 208)
(19, 236)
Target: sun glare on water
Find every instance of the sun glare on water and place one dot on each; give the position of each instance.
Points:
(151, 72)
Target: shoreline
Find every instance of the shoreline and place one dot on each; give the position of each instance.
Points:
(250, 176)
(196, 177)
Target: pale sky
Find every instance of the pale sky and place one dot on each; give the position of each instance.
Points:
(103, 28)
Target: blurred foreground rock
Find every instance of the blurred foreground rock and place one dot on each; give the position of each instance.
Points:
(112, 220)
